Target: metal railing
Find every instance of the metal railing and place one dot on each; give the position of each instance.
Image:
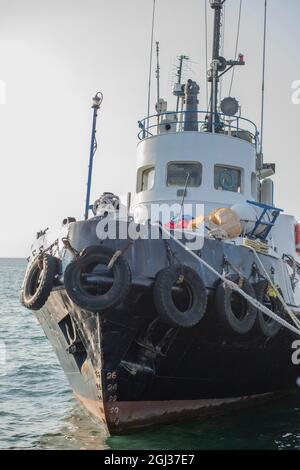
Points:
(218, 123)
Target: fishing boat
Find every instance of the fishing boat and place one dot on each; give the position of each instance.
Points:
(181, 299)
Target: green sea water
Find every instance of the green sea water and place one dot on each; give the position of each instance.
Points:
(38, 411)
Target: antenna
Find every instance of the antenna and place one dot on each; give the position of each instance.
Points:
(263, 80)
(236, 44)
(151, 57)
(184, 194)
(158, 82)
(157, 71)
(181, 59)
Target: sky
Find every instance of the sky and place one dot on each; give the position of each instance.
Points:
(56, 54)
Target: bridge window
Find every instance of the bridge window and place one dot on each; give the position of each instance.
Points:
(146, 179)
(181, 174)
(228, 179)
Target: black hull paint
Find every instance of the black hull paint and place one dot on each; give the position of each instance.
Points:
(118, 372)
(130, 370)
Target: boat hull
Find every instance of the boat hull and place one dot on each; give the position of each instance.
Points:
(129, 370)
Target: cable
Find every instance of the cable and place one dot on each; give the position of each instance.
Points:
(206, 51)
(223, 45)
(151, 57)
(236, 45)
(263, 80)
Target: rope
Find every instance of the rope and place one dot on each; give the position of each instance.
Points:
(287, 309)
(69, 247)
(74, 339)
(119, 253)
(258, 245)
(236, 288)
(236, 45)
(113, 260)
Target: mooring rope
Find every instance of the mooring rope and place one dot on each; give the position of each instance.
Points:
(274, 287)
(236, 288)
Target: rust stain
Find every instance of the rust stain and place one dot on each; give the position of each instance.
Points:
(94, 407)
(134, 415)
(121, 416)
(85, 368)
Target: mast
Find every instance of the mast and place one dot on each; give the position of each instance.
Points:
(217, 6)
(219, 65)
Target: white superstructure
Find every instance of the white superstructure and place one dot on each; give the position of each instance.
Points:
(222, 170)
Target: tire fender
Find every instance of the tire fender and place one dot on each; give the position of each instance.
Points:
(39, 281)
(234, 313)
(102, 301)
(192, 295)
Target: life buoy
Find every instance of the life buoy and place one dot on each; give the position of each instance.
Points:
(95, 296)
(180, 296)
(265, 295)
(39, 281)
(234, 313)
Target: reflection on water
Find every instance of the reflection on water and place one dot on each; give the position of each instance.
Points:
(275, 425)
(78, 431)
(38, 411)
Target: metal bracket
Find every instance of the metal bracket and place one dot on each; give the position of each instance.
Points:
(275, 213)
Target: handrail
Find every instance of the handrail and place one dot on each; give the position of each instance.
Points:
(224, 124)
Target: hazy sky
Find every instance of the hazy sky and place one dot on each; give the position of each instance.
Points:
(55, 54)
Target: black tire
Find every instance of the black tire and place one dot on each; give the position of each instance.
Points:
(39, 281)
(98, 299)
(180, 296)
(235, 314)
(264, 324)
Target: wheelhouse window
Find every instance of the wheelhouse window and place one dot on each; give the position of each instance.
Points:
(181, 174)
(146, 179)
(228, 179)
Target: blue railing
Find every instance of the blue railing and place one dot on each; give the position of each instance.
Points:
(206, 121)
